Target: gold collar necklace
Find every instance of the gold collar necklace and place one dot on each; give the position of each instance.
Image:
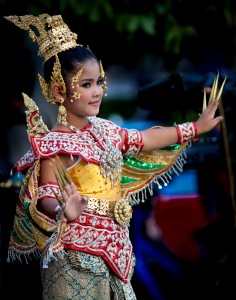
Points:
(110, 157)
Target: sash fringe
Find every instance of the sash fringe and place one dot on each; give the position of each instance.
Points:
(161, 180)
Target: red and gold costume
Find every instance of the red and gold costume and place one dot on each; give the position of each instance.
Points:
(92, 256)
(102, 229)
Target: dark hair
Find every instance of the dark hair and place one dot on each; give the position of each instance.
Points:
(69, 60)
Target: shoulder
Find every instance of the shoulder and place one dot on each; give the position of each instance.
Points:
(102, 121)
(105, 125)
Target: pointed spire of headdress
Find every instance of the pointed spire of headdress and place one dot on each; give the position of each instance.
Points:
(50, 32)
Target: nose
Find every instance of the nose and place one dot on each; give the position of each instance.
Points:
(97, 91)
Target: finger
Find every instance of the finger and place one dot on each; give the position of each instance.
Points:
(65, 195)
(212, 106)
(219, 119)
(208, 90)
(84, 199)
(213, 103)
(59, 198)
(68, 189)
(73, 187)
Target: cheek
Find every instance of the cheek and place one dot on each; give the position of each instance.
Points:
(85, 94)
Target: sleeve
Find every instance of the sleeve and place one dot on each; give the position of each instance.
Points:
(140, 172)
(33, 232)
(132, 143)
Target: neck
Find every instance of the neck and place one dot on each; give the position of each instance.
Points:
(77, 125)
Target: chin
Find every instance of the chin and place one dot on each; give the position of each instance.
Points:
(94, 113)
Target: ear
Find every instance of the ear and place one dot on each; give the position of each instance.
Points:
(56, 90)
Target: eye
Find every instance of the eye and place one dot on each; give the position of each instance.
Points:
(86, 85)
(101, 81)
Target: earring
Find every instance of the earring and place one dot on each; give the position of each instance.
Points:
(62, 114)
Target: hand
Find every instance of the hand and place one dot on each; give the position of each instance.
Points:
(207, 121)
(72, 203)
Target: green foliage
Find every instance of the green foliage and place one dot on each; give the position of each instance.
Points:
(175, 36)
(163, 26)
(131, 23)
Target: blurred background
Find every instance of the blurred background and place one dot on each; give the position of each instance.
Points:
(158, 56)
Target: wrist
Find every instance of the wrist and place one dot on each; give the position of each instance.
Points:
(57, 213)
(186, 131)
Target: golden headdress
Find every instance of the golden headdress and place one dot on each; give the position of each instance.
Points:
(50, 32)
(52, 36)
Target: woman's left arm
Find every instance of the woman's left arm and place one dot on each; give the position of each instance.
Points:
(160, 137)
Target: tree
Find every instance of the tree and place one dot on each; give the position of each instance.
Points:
(124, 31)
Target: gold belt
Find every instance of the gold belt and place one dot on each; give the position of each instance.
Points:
(119, 210)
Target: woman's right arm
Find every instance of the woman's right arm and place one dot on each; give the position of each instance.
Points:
(72, 204)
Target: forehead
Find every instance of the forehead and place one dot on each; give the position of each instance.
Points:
(89, 66)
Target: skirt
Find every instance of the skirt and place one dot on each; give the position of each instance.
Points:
(83, 276)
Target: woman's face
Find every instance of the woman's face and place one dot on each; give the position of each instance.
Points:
(84, 95)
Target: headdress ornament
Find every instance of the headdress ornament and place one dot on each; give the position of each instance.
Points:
(50, 32)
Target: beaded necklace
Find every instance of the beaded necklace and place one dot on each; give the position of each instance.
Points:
(110, 157)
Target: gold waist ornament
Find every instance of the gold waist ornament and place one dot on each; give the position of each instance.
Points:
(119, 210)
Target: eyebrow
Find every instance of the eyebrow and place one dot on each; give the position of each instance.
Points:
(90, 79)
